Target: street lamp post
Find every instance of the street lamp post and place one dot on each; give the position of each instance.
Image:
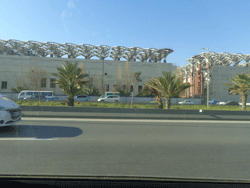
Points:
(208, 78)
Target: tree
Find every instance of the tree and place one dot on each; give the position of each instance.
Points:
(168, 86)
(128, 75)
(123, 92)
(90, 89)
(18, 89)
(136, 79)
(101, 86)
(149, 90)
(36, 78)
(240, 85)
(70, 80)
(119, 78)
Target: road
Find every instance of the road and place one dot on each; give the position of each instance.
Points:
(163, 148)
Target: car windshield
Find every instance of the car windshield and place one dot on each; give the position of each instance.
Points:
(110, 88)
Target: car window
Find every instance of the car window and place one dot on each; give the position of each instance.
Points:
(152, 58)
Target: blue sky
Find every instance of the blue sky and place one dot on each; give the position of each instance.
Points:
(185, 26)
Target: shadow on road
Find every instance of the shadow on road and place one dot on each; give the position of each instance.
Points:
(39, 131)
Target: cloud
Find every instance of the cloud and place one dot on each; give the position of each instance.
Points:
(63, 16)
(71, 4)
(68, 13)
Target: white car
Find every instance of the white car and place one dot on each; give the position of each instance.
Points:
(3, 95)
(10, 112)
(186, 102)
(221, 103)
(110, 98)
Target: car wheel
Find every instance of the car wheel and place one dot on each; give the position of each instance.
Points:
(116, 101)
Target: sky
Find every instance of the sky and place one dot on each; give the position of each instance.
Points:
(185, 26)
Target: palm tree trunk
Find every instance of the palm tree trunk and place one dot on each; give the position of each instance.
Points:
(168, 103)
(70, 101)
(132, 98)
(244, 99)
(160, 105)
(159, 100)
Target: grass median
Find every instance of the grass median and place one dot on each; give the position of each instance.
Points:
(128, 105)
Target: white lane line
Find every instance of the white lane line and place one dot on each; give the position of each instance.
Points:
(1, 139)
(132, 120)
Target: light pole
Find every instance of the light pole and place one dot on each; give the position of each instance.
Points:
(208, 78)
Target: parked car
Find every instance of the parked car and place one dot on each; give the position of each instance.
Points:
(110, 98)
(231, 103)
(34, 97)
(213, 102)
(10, 112)
(81, 98)
(186, 102)
(221, 103)
(3, 95)
(247, 104)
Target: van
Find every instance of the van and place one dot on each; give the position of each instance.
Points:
(29, 94)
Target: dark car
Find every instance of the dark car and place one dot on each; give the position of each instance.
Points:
(231, 103)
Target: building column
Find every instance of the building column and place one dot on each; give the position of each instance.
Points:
(191, 81)
(199, 80)
(186, 82)
(202, 83)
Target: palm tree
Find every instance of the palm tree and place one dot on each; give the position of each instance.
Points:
(70, 80)
(90, 89)
(169, 86)
(149, 90)
(135, 80)
(240, 85)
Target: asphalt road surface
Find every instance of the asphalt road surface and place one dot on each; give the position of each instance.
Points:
(96, 147)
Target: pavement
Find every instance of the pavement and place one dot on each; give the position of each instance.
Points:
(139, 148)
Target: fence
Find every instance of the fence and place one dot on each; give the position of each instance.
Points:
(144, 100)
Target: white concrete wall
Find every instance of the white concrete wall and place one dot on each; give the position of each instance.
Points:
(13, 70)
(220, 76)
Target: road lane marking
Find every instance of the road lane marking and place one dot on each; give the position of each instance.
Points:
(132, 120)
(2, 139)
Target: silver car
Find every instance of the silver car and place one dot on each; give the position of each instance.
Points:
(110, 98)
(81, 98)
(10, 112)
(186, 102)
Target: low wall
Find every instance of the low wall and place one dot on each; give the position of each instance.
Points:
(131, 110)
(132, 113)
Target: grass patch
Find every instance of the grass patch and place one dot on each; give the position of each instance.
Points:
(128, 105)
